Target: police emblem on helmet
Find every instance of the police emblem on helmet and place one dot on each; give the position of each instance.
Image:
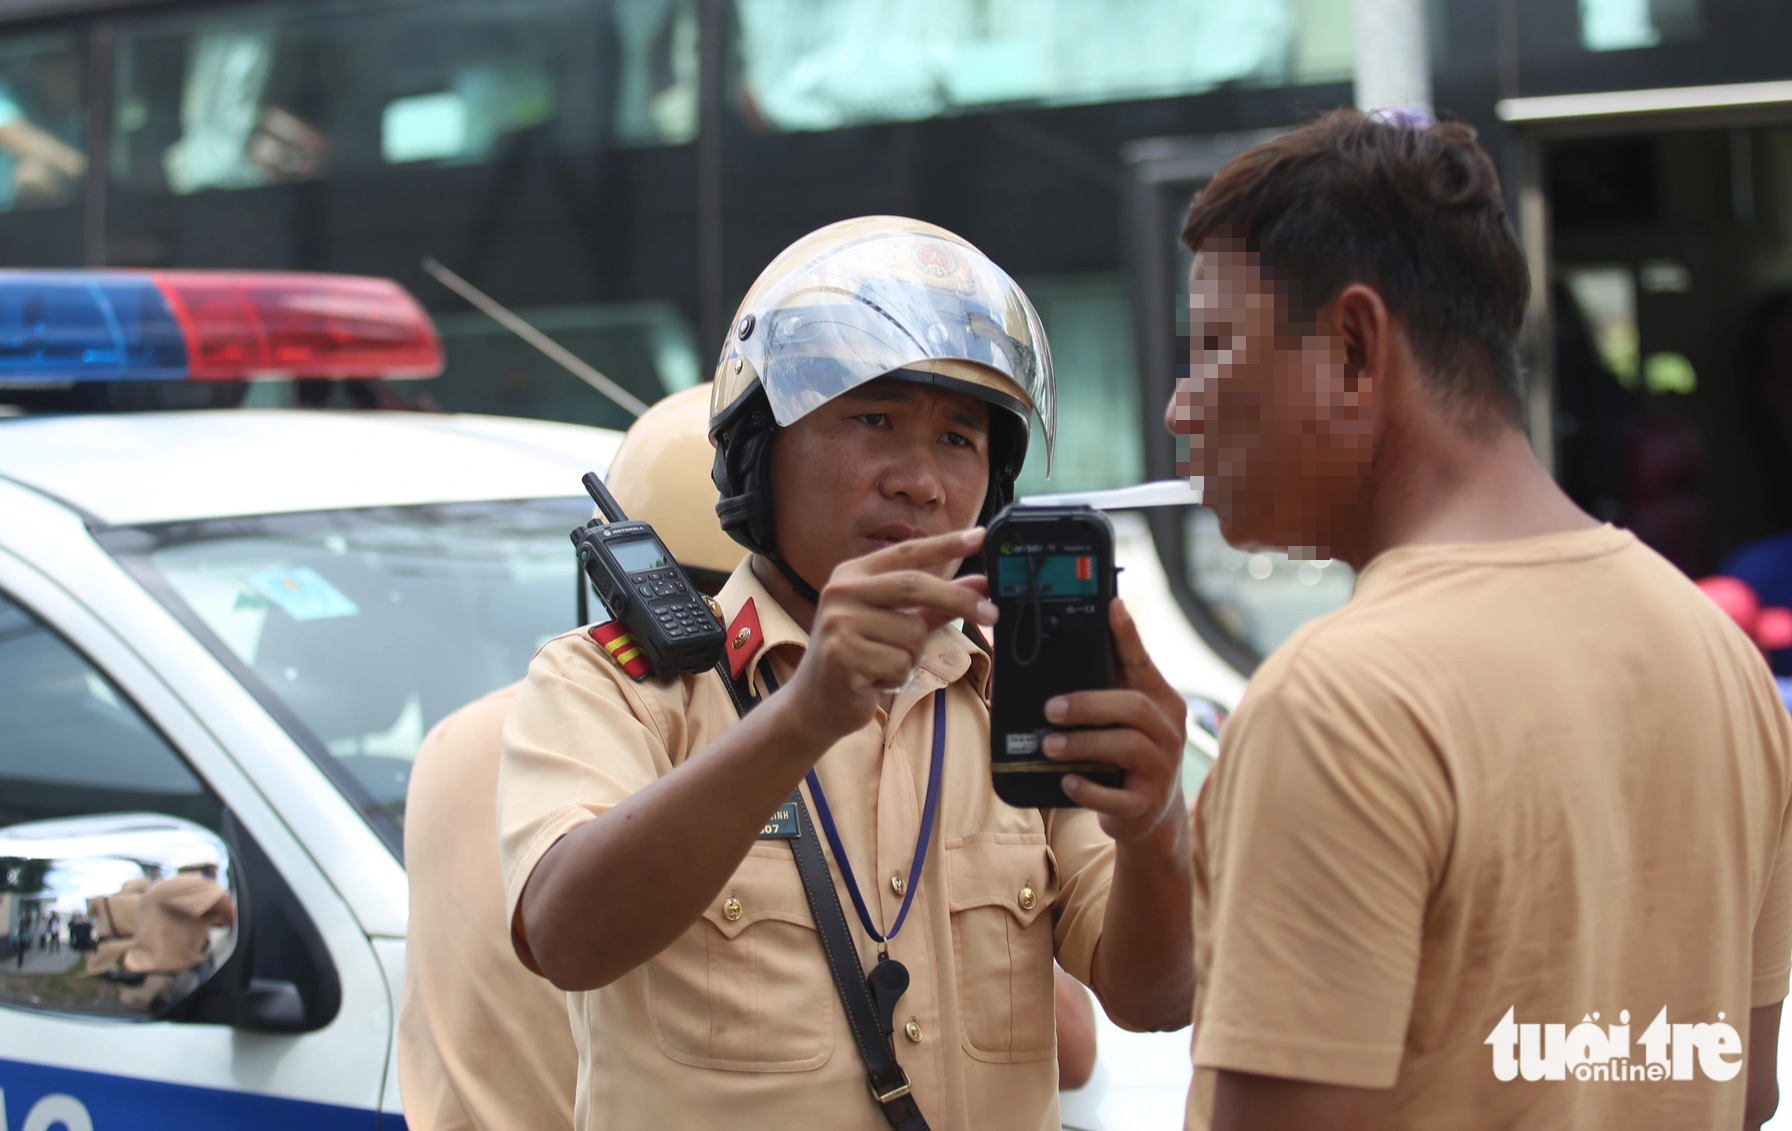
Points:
(936, 260)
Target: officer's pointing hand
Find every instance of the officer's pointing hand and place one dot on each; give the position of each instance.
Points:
(871, 623)
(1147, 724)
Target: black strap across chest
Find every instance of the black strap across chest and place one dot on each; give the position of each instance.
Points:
(889, 1083)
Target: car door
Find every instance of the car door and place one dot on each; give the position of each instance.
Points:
(300, 1032)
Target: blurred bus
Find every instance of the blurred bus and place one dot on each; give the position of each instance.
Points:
(619, 170)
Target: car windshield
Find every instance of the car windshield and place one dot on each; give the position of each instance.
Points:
(360, 629)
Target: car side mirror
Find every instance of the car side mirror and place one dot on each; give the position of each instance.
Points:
(122, 916)
(268, 1006)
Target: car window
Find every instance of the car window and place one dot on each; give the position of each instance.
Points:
(1259, 598)
(72, 744)
(360, 629)
(1195, 764)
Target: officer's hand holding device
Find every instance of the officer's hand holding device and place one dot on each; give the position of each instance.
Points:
(1051, 573)
(871, 625)
(642, 585)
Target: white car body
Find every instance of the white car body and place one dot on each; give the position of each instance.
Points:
(62, 479)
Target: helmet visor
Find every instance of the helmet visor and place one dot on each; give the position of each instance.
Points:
(878, 304)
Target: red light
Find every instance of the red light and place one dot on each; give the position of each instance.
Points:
(1770, 627)
(1736, 598)
(248, 325)
(1773, 628)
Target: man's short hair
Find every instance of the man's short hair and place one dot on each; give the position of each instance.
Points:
(1415, 213)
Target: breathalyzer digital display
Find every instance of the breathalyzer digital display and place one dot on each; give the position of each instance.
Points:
(1050, 575)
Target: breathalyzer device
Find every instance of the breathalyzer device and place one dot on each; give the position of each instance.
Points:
(1051, 576)
(644, 589)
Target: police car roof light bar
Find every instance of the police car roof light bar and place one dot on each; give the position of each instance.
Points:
(62, 327)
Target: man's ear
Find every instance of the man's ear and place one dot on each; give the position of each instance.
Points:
(1360, 333)
(1360, 320)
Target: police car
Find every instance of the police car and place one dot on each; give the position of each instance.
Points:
(222, 636)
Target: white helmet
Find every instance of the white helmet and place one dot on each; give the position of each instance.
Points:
(875, 297)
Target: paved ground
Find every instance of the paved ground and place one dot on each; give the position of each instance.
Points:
(41, 961)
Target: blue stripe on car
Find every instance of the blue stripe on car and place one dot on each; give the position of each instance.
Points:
(124, 1103)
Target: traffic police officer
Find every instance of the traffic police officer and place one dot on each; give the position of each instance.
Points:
(483, 1043)
(871, 409)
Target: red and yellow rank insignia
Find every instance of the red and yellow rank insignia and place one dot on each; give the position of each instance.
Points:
(615, 640)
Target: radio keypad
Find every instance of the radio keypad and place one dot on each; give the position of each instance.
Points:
(674, 607)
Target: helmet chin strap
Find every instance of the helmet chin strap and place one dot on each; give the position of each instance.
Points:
(803, 589)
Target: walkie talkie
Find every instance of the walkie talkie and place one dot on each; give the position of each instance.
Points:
(640, 582)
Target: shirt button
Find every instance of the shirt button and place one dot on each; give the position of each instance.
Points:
(898, 885)
(731, 909)
(913, 1031)
(1028, 898)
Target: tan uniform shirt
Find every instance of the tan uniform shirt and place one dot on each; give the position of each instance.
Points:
(1545, 776)
(737, 1024)
(174, 921)
(114, 926)
(482, 1043)
(115, 916)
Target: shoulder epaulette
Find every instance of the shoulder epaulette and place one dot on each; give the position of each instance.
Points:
(745, 638)
(621, 647)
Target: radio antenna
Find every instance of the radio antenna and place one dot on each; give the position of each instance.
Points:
(606, 502)
(624, 399)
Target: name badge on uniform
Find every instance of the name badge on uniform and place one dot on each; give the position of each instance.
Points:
(783, 824)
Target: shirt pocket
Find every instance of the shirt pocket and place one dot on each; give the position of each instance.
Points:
(1002, 888)
(746, 988)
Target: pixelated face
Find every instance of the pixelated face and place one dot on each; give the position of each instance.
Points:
(880, 464)
(1280, 433)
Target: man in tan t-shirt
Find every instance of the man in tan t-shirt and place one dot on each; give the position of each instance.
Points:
(1503, 842)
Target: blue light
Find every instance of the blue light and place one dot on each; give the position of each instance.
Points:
(64, 326)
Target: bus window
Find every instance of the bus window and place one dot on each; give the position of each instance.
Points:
(1086, 320)
(1667, 249)
(1624, 25)
(826, 64)
(43, 122)
(648, 347)
(265, 94)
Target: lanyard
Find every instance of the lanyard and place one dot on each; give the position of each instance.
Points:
(928, 810)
